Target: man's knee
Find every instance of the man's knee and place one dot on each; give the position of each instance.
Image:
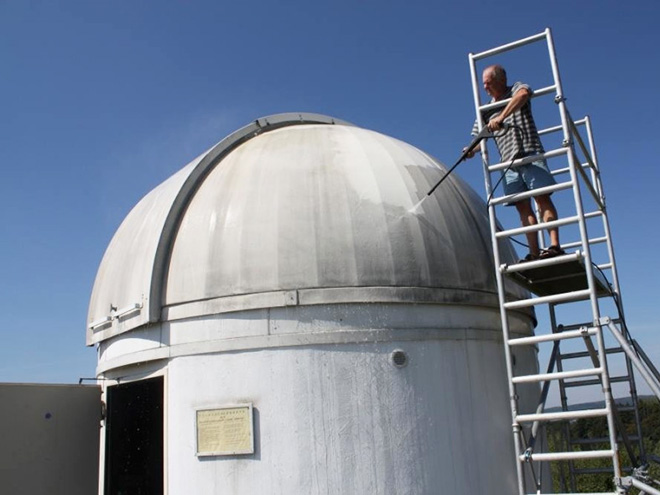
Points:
(545, 204)
(544, 200)
(524, 207)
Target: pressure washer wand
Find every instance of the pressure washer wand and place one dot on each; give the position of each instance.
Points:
(484, 134)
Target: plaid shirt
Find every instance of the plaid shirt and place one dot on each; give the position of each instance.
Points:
(523, 138)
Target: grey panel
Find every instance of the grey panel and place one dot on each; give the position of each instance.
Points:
(50, 439)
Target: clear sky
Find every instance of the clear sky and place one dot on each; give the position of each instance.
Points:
(101, 101)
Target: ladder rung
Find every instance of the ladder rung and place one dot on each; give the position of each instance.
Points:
(546, 225)
(590, 441)
(573, 334)
(581, 383)
(594, 470)
(601, 470)
(595, 240)
(502, 103)
(560, 171)
(550, 130)
(555, 298)
(555, 260)
(605, 266)
(565, 170)
(583, 354)
(568, 456)
(514, 198)
(538, 226)
(585, 383)
(557, 128)
(563, 415)
(528, 159)
(560, 375)
(509, 46)
(580, 325)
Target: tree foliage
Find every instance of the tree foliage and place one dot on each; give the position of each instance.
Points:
(590, 428)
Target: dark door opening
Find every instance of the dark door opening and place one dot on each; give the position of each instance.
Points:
(134, 438)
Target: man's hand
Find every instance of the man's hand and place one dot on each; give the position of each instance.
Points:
(495, 124)
(471, 153)
(519, 98)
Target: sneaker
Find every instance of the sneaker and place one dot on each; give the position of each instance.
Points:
(551, 252)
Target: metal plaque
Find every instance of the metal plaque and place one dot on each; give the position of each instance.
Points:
(225, 431)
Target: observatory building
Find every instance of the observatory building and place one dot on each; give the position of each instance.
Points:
(275, 319)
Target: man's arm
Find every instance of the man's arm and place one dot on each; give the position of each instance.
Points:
(475, 131)
(473, 152)
(520, 97)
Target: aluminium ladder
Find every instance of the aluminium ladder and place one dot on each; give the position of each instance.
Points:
(568, 281)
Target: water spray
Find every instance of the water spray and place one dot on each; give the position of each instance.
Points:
(484, 134)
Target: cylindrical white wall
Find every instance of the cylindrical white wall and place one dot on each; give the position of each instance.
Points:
(340, 418)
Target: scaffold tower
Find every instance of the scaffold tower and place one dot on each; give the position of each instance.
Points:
(586, 340)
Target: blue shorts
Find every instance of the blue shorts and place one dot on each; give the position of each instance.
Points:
(527, 177)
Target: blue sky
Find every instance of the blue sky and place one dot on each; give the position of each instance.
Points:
(101, 101)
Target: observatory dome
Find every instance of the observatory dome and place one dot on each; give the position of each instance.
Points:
(288, 273)
(296, 209)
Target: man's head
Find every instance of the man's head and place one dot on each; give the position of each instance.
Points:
(494, 78)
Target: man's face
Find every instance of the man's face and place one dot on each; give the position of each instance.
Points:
(493, 86)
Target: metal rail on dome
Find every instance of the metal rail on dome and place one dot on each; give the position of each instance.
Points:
(105, 320)
(195, 179)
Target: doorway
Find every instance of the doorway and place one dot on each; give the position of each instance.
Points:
(134, 438)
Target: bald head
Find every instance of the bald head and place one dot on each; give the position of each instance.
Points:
(497, 71)
(494, 79)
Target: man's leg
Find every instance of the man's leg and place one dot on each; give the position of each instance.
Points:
(527, 217)
(548, 214)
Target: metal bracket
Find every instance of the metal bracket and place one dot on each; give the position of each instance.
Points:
(100, 322)
(291, 298)
(132, 308)
(641, 472)
(624, 484)
(559, 98)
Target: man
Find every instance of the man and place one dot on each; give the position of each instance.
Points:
(522, 139)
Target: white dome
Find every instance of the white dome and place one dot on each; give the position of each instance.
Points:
(296, 210)
(283, 269)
